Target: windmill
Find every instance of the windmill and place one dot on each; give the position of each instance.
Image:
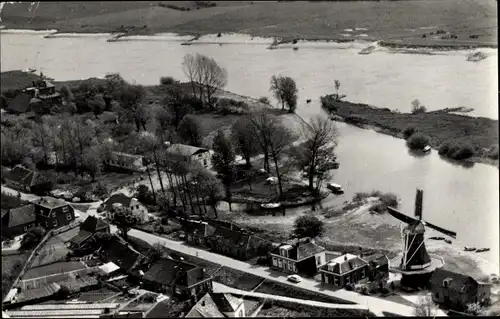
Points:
(416, 264)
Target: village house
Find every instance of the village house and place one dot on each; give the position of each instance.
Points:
(18, 221)
(219, 305)
(193, 154)
(45, 91)
(26, 180)
(236, 243)
(88, 229)
(178, 278)
(122, 200)
(456, 291)
(345, 269)
(122, 254)
(129, 162)
(53, 213)
(301, 256)
(197, 232)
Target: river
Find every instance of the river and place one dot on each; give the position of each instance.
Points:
(465, 200)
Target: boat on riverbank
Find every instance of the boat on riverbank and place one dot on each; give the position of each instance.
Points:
(482, 250)
(367, 50)
(335, 188)
(469, 248)
(476, 56)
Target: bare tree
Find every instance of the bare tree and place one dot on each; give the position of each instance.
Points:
(261, 124)
(280, 138)
(245, 140)
(191, 70)
(424, 307)
(337, 87)
(213, 76)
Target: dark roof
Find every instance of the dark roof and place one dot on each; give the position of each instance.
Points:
(232, 238)
(22, 175)
(82, 236)
(49, 202)
(378, 259)
(44, 291)
(92, 224)
(120, 253)
(21, 216)
(119, 198)
(457, 281)
(225, 302)
(20, 104)
(199, 228)
(184, 150)
(192, 277)
(300, 249)
(166, 271)
(344, 264)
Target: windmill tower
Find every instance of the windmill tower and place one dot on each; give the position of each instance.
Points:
(416, 264)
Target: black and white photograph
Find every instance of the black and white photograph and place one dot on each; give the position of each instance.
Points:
(171, 159)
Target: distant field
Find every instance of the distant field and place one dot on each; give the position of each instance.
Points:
(387, 20)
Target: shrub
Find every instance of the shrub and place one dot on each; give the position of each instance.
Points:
(328, 102)
(355, 119)
(32, 237)
(457, 150)
(100, 190)
(167, 80)
(264, 100)
(389, 199)
(417, 107)
(409, 131)
(417, 141)
(493, 152)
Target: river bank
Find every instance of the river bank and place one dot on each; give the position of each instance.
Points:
(404, 22)
(441, 126)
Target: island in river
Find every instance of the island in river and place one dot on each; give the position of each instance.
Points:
(423, 23)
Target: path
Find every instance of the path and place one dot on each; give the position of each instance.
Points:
(221, 288)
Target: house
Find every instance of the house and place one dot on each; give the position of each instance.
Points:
(44, 90)
(178, 278)
(197, 232)
(178, 152)
(456, 291)
(236, 243)
(122, 254)
(17, 221)
(122, 200)
(88, 229)
(129, 162)
(378, 266)
(220, 305)
(53, 213)
(301, 256)
(345, 269)
(27, 180)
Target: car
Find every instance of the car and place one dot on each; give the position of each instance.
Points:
(294, 278)
(77, 215)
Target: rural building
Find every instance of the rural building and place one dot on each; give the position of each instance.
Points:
(456, 291)
(217, 305)
(24, 103)
(122, 254)
(379, 266)
(66, 310)
(17, 221)
(128, 162)
(25, 180)
(237, 244)
(178, 278)
(88, 229)
(197, 232)
(53, 213)
(302, 256)
(45, 91)
(345, 269)
(122, 200)
(193, 154)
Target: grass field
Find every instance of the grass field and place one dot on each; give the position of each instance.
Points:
(53, 251)
(53, 269)
(237, 279)
(11, 267)
(387, 20)
(287, 309)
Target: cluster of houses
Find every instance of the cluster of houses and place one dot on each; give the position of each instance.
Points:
(35, 99)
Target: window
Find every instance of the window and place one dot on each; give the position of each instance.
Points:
(68, 216)
(318, 260)
(347, 280)
(280, 263)
(65, 208)
(362, 273)
(177, 290)
(46, 224)
(290, 265)
(55, 223)
(336, 280)
(275, 262)
(25, 228)
(53, 214)
(294, 267)
(437, 295)
(205, 163)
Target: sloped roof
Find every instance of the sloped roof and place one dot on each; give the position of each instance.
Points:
(205, 308)
(377, 258)
(82, 236)
(345, 263)
(226, 302)
(22, 215)
(49, 202)
(125, 157)
(192, 277)
(21, 174)
(44, 291)
(167, 271)
(184, 150)
(458, 281)
(229, 237)
(20, 104)
(306, 250)
(92, 224)
(199, 228)
(120, 253)
(119, 198)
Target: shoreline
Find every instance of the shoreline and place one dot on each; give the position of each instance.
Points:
(116, 35)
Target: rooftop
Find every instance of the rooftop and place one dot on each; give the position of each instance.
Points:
(185, 150)
(22, 215)
(49, 202)
(344, 264)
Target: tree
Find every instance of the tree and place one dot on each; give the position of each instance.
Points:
(417, 141)
(190, 131)
(245, 140)
(280, 138)
(261, 125)
(142, 116)
(222, 161)
(124, 219)
(424, 307)
(168, 80)
(176, 104)
(316, 152)
(264, 100)
(337, 87)
(409, 131)
(285, 91)
(307, 226)
(191, 70)
(92, 161)
(130, 97)
(213, 189)
(66, 94)
(32, 237)
(417, 107)
(151, 145)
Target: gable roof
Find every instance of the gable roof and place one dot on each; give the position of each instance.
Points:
(226, 302)
(184, 150)
(82, 236)
(231, 238)
(92, 224)
(299, 249)
(125, 157)
(120, 253)
(167, 271)
(458, 281)
(21, 216)
(20, 104)
(118, 198)
(214, 305)
(345, 263)
(378, 259)
(22, 175)
(49, 202)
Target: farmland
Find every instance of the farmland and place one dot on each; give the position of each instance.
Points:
(11, 267)
(397, 22)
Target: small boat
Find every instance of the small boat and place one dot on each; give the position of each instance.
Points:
(308, 101)
(480, 250)
(30, 70)
(270, 205)
(335, 188)
(295, 48)
(367, 50)
(447, 241)
(469, 248)
(476, 56)
(427, 149)
(437, 238)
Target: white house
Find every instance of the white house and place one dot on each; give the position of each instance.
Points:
(138, 209)
(126, 161)
(194, 154)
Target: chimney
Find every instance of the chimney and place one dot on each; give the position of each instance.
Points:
(203, 303)
(345, 257)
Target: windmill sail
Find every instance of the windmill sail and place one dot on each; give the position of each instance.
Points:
(418, 203)
(441, 230)
(402, 217)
